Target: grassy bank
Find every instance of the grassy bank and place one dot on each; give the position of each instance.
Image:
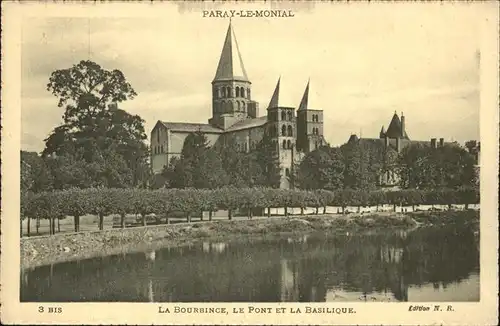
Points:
(65, 247)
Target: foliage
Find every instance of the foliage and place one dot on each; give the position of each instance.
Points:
(448, 166)
(97, 143)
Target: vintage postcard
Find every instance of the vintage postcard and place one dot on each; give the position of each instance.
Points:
(205, 162)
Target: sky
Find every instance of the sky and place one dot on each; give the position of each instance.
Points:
(364, 63)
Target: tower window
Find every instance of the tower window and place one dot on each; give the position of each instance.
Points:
(228, 92)
(287, 172)
(242, 92)
(283, 115)
(289, 144)
(231, 107)
(290, 131)
(290, 117)
(243, 106)
(239, 104)
(248, 93)
(283, 130)
(223, 91)
(237, 91)
(284, 144)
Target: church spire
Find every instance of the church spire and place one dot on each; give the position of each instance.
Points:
(275, 99)
(305, 98)
(230, 63)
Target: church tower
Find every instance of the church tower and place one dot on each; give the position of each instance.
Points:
(282, 129)
(231, 88)
(309, 125)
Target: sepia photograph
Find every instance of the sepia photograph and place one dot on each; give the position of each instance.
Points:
(218, 153)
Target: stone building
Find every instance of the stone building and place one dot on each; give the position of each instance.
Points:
(235, 118)
(396, 138)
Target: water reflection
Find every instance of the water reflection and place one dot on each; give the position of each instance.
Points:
(423, 265)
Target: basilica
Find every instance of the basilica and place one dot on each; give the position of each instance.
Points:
(235, 118)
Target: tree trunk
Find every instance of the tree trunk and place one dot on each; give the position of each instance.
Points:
(317, 210)
(101, 221)
(210, 215)
(359, 209)
(324, 209)
(59, 225)
(29, 226)
(77, 223)
(269, 212)
(343, 209)
(122, 220)
(376, 208)
(188, 218)
(394, 207)
(413, 207)
(37, 225)
(286, 211)
(449, 207)
(466, 208)
(53, 225)
(230, 214)
(250, 213)
(201, 217)
(302, 211)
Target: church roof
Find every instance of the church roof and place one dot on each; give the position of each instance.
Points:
(248, 123)
(230, 63)
(191, 127)
(394, 129)
(281, 98)
(307, 99)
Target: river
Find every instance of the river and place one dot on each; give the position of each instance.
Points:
(428, 264)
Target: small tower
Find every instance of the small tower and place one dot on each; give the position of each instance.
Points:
(382, 132)
(282, 129)
(231, 94)
(309, 125)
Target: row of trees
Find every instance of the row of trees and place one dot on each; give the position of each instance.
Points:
(359, 165)
(104, 201)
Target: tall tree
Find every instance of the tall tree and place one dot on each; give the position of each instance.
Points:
(322, 168)
(94, 129)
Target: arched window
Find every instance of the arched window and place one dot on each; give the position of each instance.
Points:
(287, 172)
(237, 91)
(243, 106)
(239, 104)
(290, 116)
(228, 92)
(289, 144)
(283, 115)
(284, 144)
(283, 131)
(231, 107)
(223, 89)
(245, 147)
(248, 93)
(290, 131)
(242, 92)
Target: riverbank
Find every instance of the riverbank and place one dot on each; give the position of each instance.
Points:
(45, 250)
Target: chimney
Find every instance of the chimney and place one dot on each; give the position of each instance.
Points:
(398, 144)
(433, 142)
(441, 142)
(402, 125)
